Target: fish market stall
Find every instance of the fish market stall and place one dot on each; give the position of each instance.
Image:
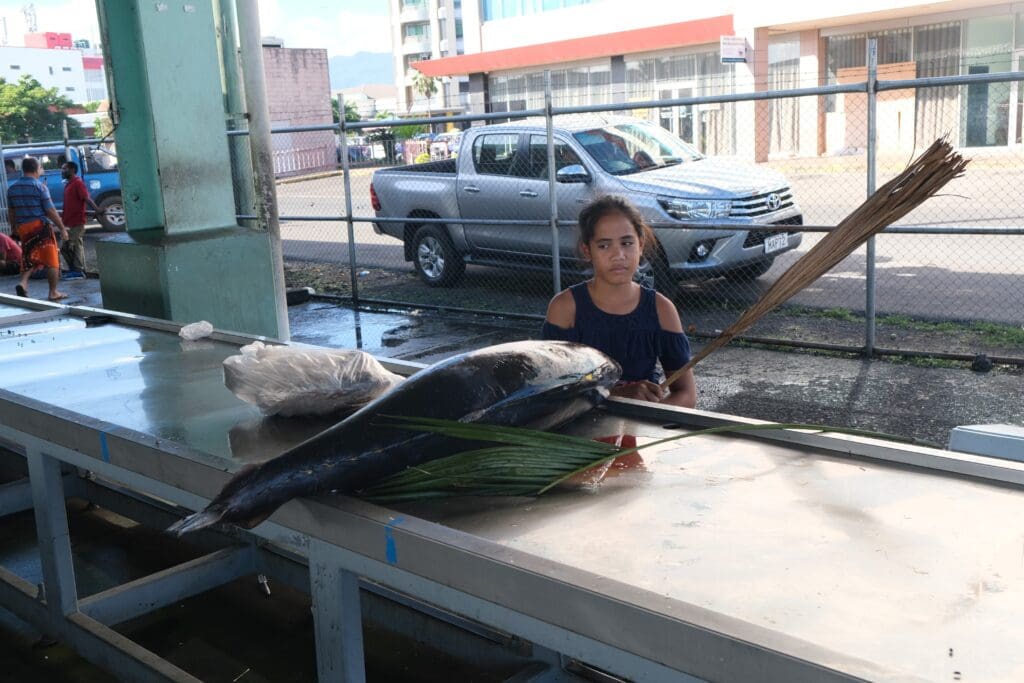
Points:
(784, 555)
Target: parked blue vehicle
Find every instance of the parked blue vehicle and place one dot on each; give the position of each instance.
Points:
(97, 167)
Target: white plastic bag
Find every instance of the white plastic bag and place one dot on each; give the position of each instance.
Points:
(194, 331)
(287, 380)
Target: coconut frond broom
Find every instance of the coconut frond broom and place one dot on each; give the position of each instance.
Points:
(923, 178)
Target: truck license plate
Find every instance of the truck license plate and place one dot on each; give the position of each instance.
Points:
(774, 243)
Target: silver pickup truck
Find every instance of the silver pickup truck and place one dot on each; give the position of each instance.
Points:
(501, 172)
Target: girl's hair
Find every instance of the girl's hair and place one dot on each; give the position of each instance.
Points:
(610, 204)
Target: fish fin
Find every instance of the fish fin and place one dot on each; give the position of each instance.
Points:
(198, 520)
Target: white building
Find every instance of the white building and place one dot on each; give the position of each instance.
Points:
(635, 50)
(371, 99)
(423, 30)
(61, 69)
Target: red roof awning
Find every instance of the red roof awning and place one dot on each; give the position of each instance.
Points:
(685, 33)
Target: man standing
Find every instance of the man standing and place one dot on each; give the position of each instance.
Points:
(76, 197)
(28, 207)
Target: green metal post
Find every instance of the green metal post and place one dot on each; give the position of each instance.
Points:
(184, 257)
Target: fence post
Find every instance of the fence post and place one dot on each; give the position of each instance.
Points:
(4, 227)
(254, 86)
(67, 147)
(556, 264)
(237, 116)
(347, 182)
(869, 284)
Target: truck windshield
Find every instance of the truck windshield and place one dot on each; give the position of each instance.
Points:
(102, 159)
(626, 148)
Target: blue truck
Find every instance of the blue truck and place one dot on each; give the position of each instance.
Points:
(97, 167)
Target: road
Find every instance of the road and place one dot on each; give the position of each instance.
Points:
(929, 276)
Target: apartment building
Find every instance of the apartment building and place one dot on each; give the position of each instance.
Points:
(57, 61)
(53, 68)
(640, 50)
(423, 30)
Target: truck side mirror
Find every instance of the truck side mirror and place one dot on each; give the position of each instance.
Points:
(573, 173)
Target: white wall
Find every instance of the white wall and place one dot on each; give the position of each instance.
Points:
(61, 69)
(610, 16)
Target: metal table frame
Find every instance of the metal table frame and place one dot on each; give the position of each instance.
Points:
(344, 542)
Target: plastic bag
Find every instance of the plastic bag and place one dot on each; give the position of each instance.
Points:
(194, 331)
(286, 380)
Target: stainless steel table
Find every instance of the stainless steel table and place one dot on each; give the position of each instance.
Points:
(782, 556)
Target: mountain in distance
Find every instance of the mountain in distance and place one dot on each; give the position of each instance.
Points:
(359, 69)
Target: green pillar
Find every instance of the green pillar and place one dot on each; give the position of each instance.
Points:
(184, 257)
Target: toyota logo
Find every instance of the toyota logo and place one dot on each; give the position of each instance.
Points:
(773, 202)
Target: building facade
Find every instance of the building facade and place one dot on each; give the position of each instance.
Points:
(661, 50)
(299, 94)
(57, 61)
(53, 68)
(371, 100)
(423, 30)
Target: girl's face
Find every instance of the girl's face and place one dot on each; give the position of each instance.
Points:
(615, 249)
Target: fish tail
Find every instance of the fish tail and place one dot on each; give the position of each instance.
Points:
(198, 520)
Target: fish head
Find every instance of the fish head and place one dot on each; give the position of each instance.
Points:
(590, 368)
(528, 366)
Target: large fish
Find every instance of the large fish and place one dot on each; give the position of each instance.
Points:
(536, 384)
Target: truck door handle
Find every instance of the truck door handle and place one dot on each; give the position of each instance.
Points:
(473, 189)
(527, 193)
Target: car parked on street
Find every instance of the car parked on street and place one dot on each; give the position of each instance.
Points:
(501, 172)
(97, 167)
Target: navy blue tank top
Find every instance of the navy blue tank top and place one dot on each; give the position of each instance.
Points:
(634, 339)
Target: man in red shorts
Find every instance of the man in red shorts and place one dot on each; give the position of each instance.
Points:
(28, 208)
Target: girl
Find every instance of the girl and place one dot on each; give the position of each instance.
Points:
(634, 325)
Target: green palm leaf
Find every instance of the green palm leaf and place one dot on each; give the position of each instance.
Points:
(529, 462)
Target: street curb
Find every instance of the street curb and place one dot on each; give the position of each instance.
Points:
(314, 176)
(327, 174)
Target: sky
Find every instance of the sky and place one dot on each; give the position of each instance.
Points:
(342, 27)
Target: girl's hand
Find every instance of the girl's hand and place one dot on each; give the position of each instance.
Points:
(642, 390)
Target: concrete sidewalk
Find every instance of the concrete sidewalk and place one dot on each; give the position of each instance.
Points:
(785, 386)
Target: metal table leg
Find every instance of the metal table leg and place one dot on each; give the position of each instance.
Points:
(337, 617)
(59, 588)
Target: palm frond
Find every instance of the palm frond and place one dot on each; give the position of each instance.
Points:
(528, 462)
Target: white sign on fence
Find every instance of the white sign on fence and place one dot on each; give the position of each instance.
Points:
(733, 49)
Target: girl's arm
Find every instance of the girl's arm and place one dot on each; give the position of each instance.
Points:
(682, 392)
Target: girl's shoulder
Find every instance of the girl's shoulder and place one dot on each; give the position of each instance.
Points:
(562, 309)
(668, 314)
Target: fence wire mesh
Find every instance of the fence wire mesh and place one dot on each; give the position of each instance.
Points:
(470, 214)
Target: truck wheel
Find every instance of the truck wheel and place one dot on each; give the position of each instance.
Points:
(113, 214)
(749, 272)
(435, 258)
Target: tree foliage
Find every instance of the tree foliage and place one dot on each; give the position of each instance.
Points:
(29, 112)
(425, 85)
(409, 130)
(351, 112)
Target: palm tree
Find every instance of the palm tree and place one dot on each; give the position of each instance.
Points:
(426, 86)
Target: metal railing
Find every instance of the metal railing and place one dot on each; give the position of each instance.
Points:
(358, 244)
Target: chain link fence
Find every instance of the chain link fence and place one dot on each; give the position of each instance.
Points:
(464, 219)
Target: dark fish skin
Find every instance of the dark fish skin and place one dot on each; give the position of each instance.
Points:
(535, 384)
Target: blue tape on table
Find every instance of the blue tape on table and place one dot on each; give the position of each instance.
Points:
(390, 550)
(104, 449)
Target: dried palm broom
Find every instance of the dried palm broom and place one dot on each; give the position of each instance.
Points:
(923, 178)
